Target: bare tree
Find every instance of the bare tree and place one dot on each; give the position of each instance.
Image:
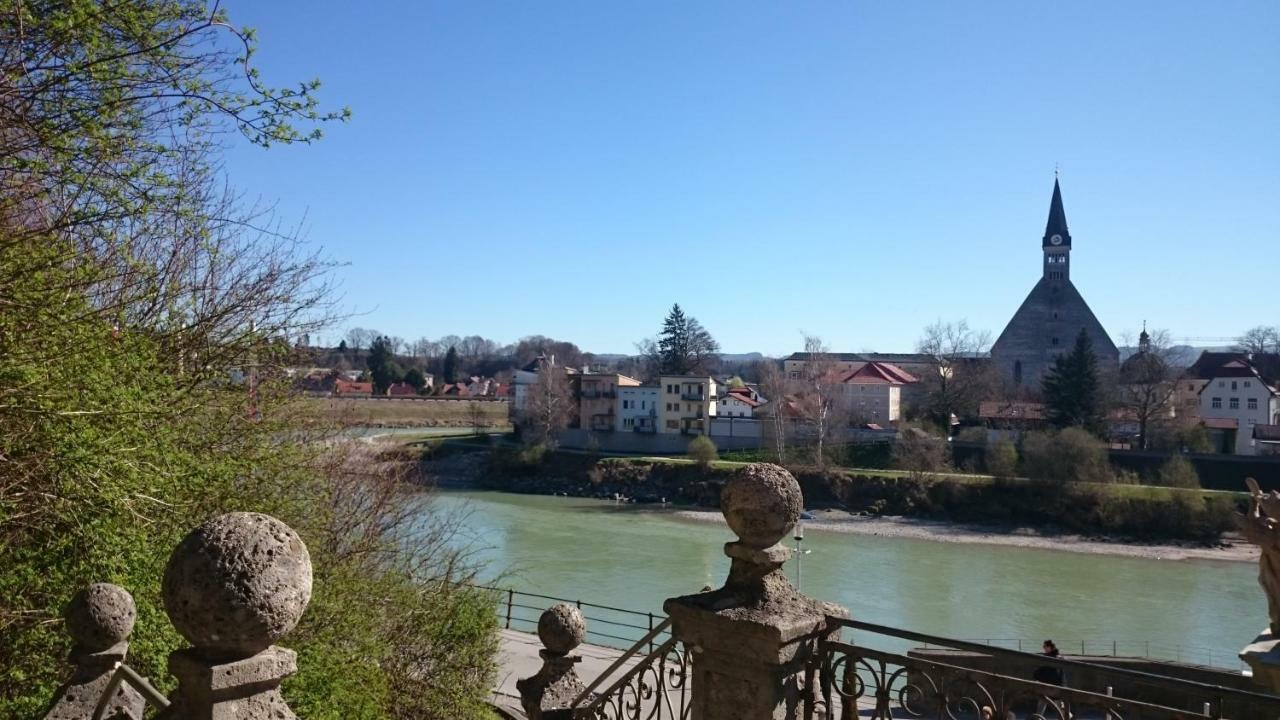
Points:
(960, 379)
(1147, 383)
(819, 397)
(1259, 340)
(773, 383)
(549, 405)
(359, 338)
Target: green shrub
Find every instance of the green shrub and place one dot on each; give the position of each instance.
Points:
(1178, 472)
(920, 454)
(702, 451)
(1069, 455)
(1002, 459)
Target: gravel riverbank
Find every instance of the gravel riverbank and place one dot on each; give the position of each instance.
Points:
(941, 531)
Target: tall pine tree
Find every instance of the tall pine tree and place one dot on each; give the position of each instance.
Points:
(1072, 389)
(684, 346)
(451, 365)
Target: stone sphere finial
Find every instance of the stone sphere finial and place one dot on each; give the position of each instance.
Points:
(761, 502)
(562, 628)
(100, 616)
(237, 583)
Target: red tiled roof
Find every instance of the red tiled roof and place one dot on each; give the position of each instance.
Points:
(347, 387)
(743, 398)
(401, 388)
(878, 373)
(1221, 423)
(1266, 433)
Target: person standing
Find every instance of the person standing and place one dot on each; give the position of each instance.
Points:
(1049, 675)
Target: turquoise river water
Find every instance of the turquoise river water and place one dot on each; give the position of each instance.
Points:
(633, 557)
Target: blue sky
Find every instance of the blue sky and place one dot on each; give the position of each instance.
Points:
(854, 170)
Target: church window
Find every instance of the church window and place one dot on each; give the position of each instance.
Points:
(1017, 371)
(1217, 403)
(1055, 341)
(1235, 403)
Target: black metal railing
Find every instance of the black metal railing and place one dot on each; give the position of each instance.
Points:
(858, 680)
(657, 687)
(613, 627)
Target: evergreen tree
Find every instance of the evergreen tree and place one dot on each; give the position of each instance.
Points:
(342, 347)
(1072, 390)
(684, 346)
(451, 365)
(415, 378)
(382, 365)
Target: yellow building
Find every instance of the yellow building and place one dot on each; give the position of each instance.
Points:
(686, 404)
(598, 399)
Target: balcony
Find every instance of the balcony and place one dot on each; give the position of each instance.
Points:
(644, 427)
(597, 394)
(695, 396)
(602, 422)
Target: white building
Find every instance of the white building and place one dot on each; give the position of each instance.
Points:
(638, 409)
(1234, 401)
(873, 393)
(738, 402)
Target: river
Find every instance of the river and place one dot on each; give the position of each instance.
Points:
(634, 557)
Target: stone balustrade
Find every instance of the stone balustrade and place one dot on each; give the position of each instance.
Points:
(233, 587)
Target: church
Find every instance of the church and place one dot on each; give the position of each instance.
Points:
(1049, 320)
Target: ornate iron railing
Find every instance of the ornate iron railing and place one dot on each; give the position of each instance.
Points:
(859, 681)
(655, 688)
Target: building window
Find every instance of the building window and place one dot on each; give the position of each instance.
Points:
(1253, 403)
(1248, 383)
(1217, 403)
(1235, 403)
(1055, 341)
(673, 424)
(1017, 371)
(1233, 385)
(1222, 383)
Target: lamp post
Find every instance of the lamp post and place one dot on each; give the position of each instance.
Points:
(799, 537)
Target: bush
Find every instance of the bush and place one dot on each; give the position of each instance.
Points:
(1069, 455)
(1002, 459)
(1178, 472)
(972, 434)
(703, 451)
(920, 454)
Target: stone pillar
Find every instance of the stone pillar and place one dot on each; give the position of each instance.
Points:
(547, 695)
(233, 587)
(99, 620)
(750, 638)
(1263, 658)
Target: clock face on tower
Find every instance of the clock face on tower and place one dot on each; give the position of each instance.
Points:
(1055, 240)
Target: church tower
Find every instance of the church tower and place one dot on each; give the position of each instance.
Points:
(1057, 240)
(1054, 313)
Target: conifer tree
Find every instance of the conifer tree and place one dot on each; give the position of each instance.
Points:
(684, 346)
(451, 365)
(1072, 389)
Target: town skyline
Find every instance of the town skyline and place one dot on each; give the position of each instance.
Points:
(896, 163)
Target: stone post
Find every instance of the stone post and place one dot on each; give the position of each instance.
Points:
(750, 638)
(233, 587)
(99, 620)
(547, 694)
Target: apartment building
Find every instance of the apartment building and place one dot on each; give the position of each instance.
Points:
(1235, 401)
(638, 409)
(686, 403)
(598, 399)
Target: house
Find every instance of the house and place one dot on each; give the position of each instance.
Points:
(347, 387)
(524, 378)
(873, 392)
(1236, 399)
(738, 402)
(401, 389)
(1266, 439)
(638, 408)
(597, 395)
(916, 365)
(686, 403)
(455, 390)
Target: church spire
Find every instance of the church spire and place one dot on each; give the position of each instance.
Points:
(1057, 225)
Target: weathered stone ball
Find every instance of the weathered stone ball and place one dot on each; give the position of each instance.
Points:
(562, 628)
(761, 502)
(100, 616)
(237, 583)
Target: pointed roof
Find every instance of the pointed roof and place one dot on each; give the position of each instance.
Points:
(875, 373)
(1057, 224)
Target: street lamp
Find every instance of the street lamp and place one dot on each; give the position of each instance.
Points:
(799, 537)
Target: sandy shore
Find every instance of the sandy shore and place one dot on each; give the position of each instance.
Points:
(843, 522)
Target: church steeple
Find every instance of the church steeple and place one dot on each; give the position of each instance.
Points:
(1057, 224)
(1057, 240)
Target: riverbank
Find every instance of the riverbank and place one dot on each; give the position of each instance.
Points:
(840, 521)
(1110, 521)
